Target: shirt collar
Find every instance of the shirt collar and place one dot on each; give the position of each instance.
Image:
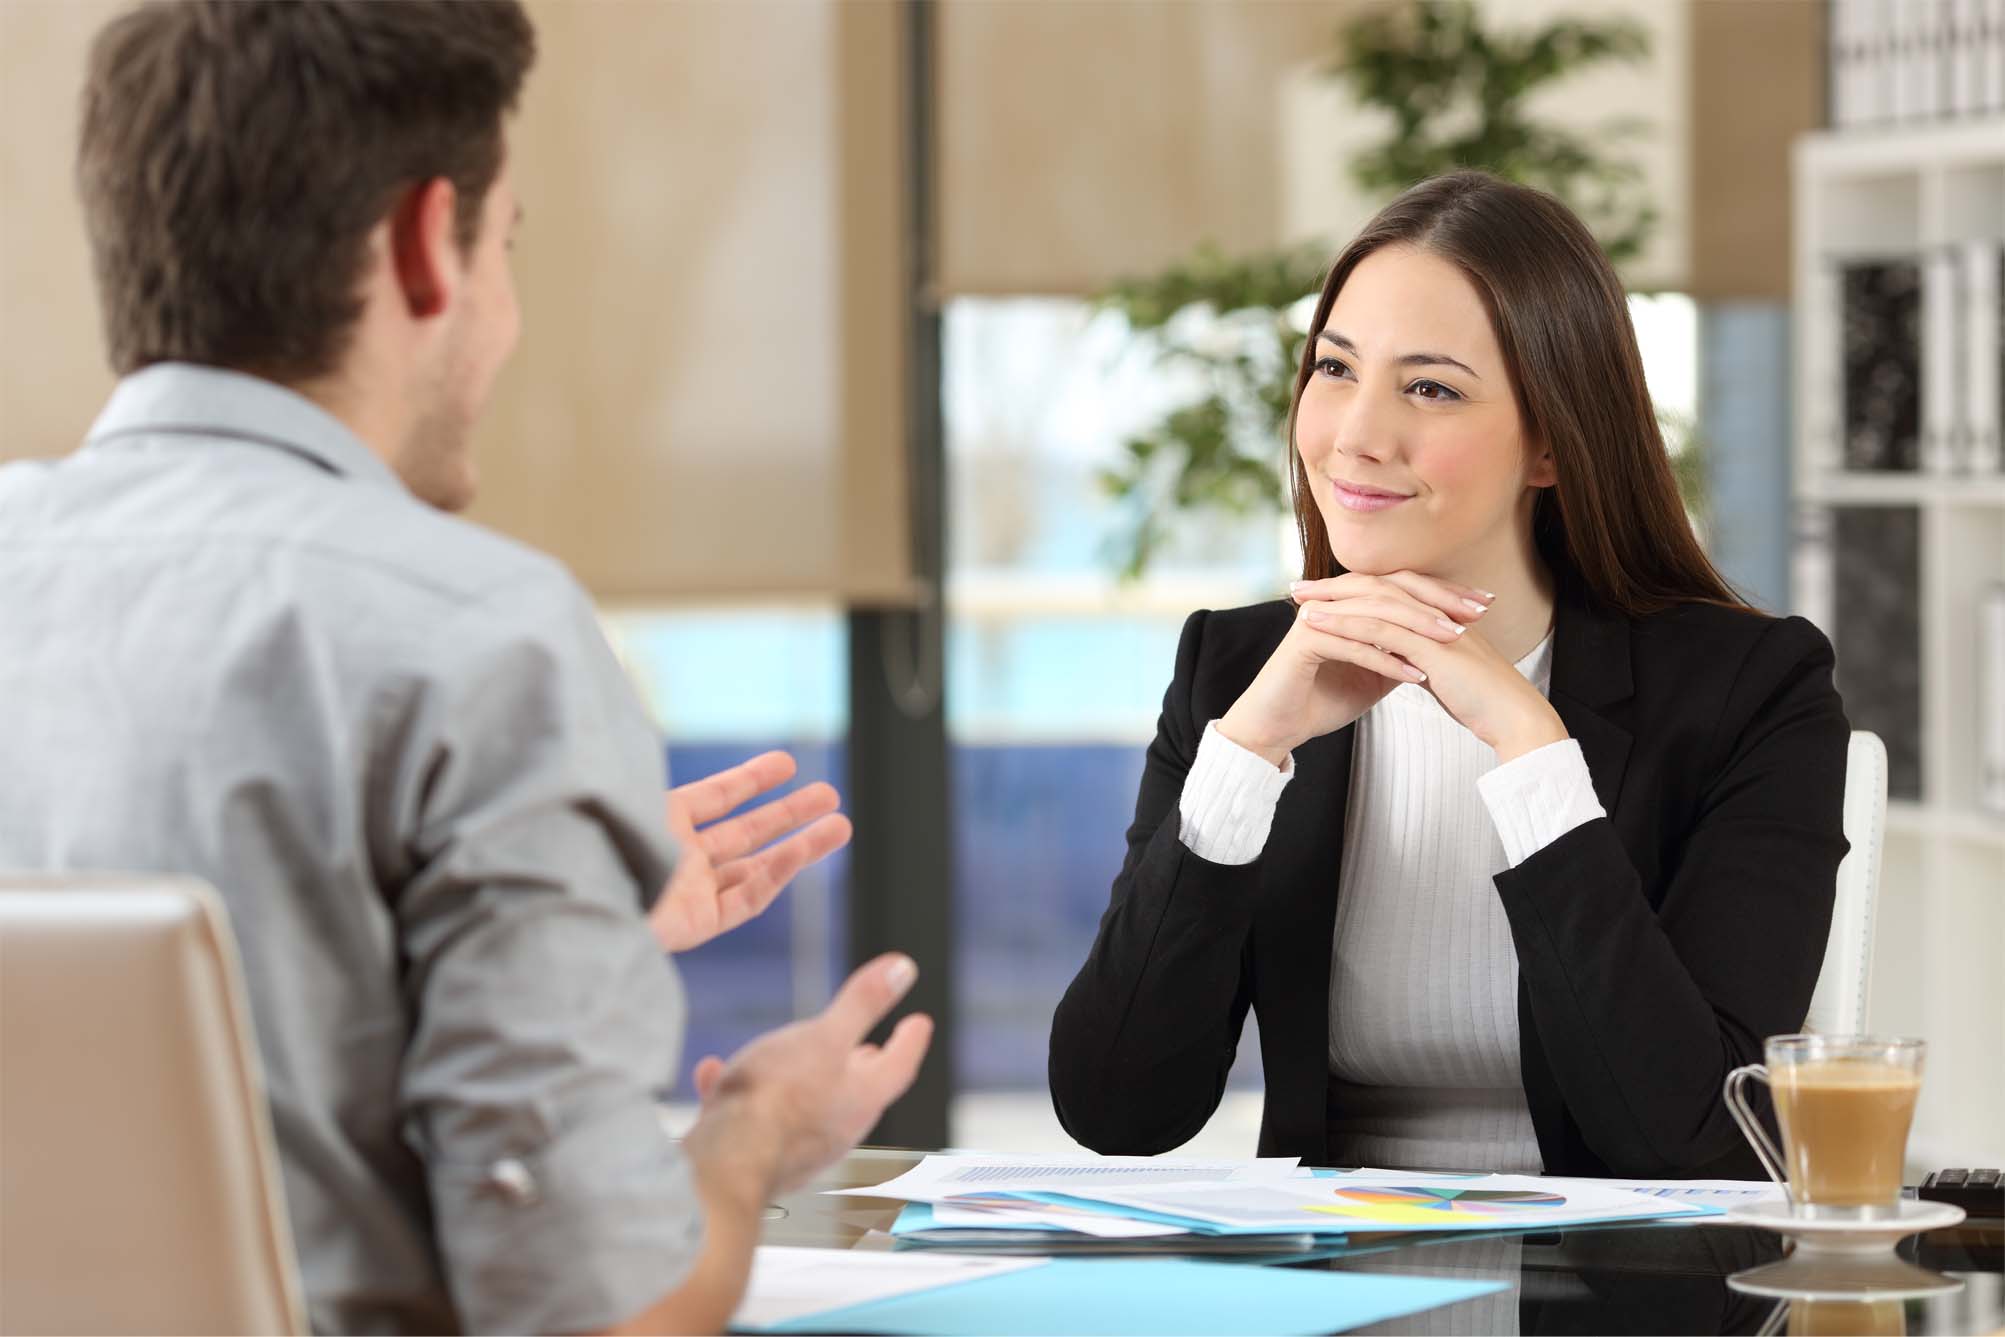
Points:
(1536, 666)
(185, 399)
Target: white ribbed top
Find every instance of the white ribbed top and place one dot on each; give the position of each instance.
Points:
(1424, 975)
(1424, 980)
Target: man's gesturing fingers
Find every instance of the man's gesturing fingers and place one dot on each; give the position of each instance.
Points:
(868, 996)
(883, 1073)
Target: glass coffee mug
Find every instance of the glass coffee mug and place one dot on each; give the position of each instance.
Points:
(1845, 1103)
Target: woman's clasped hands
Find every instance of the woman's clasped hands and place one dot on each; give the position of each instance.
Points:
(1356, 637)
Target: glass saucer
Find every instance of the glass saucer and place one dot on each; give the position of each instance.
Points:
(1823, 1235)
(1824, 1276)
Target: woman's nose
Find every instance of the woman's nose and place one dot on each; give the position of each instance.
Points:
(1360, 430)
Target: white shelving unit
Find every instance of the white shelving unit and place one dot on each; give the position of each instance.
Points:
(1880, 194)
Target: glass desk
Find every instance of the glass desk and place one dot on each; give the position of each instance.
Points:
(1608, 1279)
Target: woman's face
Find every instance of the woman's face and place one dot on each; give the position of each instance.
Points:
(1408, 427)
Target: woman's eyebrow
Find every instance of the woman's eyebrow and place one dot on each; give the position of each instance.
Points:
(1405, 359)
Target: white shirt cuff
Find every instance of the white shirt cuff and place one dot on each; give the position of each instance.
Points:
(1227, 806)
(1539, 797)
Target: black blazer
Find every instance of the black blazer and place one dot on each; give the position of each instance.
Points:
(1657, 946)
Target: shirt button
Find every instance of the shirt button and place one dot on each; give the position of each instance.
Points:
(511, 1178)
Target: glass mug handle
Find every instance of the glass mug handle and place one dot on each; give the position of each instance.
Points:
(1750, 1126)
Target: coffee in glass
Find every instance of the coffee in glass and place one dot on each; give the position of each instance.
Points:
(1845, 1103)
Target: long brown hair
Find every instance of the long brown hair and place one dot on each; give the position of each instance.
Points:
(1561, 318)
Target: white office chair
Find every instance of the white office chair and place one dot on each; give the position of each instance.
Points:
(1838, 1007)
(138, 1188)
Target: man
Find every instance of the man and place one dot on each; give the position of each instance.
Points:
(241, 638)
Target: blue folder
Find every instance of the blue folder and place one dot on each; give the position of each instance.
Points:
(919, 1216)
(1170, 1296)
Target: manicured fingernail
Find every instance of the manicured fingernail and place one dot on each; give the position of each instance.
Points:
(902, 973)
(1446, 625)
(1486, 596)
(1414, 675)
(1475, 607)
(1297, 586)
(1313, 615)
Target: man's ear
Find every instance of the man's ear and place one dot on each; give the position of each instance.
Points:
(424, 249)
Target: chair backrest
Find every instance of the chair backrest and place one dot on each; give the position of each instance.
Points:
(138, 1187)
(1839, 1005)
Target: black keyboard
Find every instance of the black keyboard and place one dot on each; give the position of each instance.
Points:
(1981, 1193)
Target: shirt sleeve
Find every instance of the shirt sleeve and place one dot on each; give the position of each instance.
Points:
(1539, 797)
(546, 1021)
(1227, 805)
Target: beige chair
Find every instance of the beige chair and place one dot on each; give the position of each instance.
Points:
(1838, 1007)
(138, 1187)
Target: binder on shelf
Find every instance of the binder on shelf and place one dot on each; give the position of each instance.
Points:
(1941, 426)
(1859, 77)
(1941, 61)
(1966, 57)
(1983, 348)
(1843, 58)
(1991, 55)
(1813, 574)
(1911, 36)
(1991, 698)
(1895, 46)
(1823, 357)
(1906, 62)
(1917, 38)
(1877, 572)
(1994, 55)
(1880, 364)
(1882, 60)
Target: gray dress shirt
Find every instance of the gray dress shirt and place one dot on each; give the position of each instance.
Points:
(233, 645)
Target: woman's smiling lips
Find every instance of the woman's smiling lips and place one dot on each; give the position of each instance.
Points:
(1359, 497)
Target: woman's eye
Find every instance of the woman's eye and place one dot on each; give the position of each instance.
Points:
(1432, 390)
(1329, 366)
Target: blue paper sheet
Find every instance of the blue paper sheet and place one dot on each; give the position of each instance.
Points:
(1170, 1296)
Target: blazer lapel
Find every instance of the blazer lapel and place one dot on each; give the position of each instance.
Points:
(1590, 674)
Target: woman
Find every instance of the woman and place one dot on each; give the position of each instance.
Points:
(1515, 827)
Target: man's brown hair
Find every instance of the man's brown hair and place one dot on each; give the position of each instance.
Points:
(235, 155)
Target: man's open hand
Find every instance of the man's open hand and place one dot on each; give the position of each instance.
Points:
(732, 870)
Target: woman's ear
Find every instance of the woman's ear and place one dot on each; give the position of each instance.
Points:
(1542, 471)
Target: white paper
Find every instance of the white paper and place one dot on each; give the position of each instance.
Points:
(1725, 1194)
(1296, 1204)
(794, 1283)
(1722, 1193)
(938, 1178)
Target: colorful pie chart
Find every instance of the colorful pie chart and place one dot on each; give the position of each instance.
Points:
(1444, 1208)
